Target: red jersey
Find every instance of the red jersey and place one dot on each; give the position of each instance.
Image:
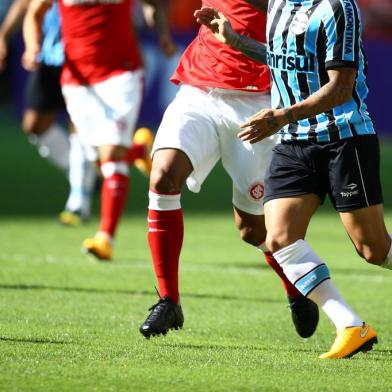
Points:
(99, 40)
(209, 63)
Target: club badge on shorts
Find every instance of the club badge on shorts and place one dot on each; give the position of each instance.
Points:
(256, 191)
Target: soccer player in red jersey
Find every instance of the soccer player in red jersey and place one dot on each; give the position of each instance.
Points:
(220, 88)
(102, 83)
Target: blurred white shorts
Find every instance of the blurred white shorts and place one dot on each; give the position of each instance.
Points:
(204, 123)
(106, 113)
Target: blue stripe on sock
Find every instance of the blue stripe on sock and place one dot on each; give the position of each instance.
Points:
(312, 279)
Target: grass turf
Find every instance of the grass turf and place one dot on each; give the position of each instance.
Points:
(70, 323)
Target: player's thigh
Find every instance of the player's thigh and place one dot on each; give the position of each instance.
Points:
(287, 219)
(189, 126)
(367, 230)
(246, 165)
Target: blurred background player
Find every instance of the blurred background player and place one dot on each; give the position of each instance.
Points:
(43, 105)
(102, 82)
(220, 87)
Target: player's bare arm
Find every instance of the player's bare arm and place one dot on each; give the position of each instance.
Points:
(155, 15)
(32, 33)
(11, 22)
(221, 27)
(267, 122)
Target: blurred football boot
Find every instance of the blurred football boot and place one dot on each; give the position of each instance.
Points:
(145, 137)
(100, 246)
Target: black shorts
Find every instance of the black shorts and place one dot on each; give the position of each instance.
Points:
(347, 170)
(43, 90)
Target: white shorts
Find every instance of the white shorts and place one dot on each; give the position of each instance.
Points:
(204, 124)
(105, 113)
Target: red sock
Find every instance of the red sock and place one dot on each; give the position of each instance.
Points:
(136, 151)
(165, 235)
(288, 286)
(113, 197)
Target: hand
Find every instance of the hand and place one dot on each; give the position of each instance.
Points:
(3, 52)
(219, 25)
(262, 125)
(30, 59)
(168, 47)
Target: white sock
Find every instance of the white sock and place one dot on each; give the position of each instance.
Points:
(82, 177)
(53, 145)
(388, 261)
(162, 202)
(311, 277)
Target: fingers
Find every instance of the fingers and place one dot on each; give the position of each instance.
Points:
(206, 12)
(168, 47)
(252, 121)
(29, 64)
(251, 135)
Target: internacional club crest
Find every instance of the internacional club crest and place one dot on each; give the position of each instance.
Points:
(256, 191)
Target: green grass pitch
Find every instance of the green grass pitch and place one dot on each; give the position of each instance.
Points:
(69, 323)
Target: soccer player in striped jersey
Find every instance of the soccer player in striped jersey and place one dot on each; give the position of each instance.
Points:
(328, 146)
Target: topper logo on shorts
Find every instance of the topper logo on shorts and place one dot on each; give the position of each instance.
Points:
(256, 191)
(351, 190)
(69, 3)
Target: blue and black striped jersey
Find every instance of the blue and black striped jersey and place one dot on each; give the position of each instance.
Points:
(52, 51)
(304, 39)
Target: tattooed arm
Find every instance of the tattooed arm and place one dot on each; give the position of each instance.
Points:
(267, 122)
(223, 31)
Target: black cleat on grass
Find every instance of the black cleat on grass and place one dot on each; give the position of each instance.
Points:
(164, 315)
(305, 315)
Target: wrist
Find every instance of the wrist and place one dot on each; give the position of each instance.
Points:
(288, 115)
(233, 39)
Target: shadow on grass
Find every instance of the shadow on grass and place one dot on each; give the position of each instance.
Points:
(131, 292)
(33, 340)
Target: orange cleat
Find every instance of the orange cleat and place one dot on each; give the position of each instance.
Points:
(350, 341)
(100, 246)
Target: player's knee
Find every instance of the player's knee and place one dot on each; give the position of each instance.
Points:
(372, 253)
(164, 180)
(278, 240)
(32, 127)
(252, 235)
(251, 232)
